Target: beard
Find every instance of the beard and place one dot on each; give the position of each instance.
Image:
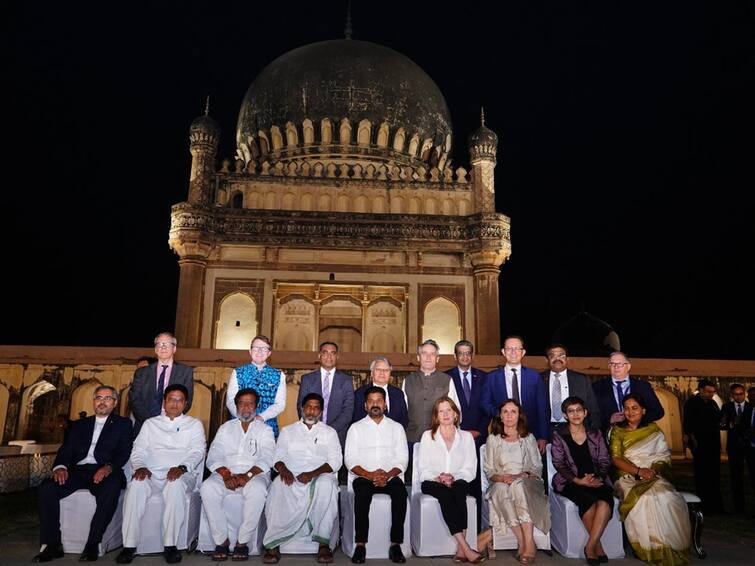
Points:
(376, 411)
(246, 417)
(310, 420)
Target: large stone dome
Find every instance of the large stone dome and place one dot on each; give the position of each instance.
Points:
(355, 97)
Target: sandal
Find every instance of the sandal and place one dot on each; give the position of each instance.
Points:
(221, 553)
(526, 559)
(459, 559)
(240, 553)
(324, 555)
(272, 556)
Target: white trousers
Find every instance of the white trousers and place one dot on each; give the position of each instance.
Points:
(214, 493)
(174, 507)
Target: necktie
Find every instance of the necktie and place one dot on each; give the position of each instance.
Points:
(739, 409)
(467, 387)
(556, 412)
(514, 386)
(157, 403)
(326, 396)
(620, 394)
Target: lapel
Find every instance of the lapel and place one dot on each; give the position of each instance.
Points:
(89, 432)
(149, 391)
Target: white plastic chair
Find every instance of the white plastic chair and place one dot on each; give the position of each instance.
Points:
(233, 505)
(507, 541)
(429, 533)
(379, 539)
(76, 512)
(568, 533)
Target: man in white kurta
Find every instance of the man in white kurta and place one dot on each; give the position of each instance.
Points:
(167, 459)
(303, 500)
(240, 457)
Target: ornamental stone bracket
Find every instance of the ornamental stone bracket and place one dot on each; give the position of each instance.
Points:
(195, 230)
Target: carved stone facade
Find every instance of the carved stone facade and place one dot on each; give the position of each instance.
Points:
(338, 211)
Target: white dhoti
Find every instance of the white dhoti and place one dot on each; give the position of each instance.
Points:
(214, 493)
(174, 507)
(301, 510)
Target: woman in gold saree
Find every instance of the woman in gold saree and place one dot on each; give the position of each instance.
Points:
(654, 514)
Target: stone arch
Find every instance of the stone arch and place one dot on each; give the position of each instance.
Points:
(360, 204)
(306, 201)
(385, 326)
(288, 202)
(397, 205)
(292, 136)
(294, 324)
(221, 197)
(270, 200)
(379, 204)
(441, 321)
(431, 206)
(342, 204)
(4, 397)
(201, 405)
(253, 200)
(237, 200)
(383, 134)
(448, 207)
(363, 132)
(399, 139)
(31, 394)
(464, 207)
(413, 145)
(414, 205)
(344, 132)
(326, 131)
(324, 203)
(276, 137)
(308, 131)
(671, 423)
(81, 399)
(341, 322)
(236, 323)
(264, 143)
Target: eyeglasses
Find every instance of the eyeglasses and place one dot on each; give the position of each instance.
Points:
(164, 344)
(260, 348)
(512, 349)
(381, 370)
(328, 353)
(557, 357)
(575, 411)
(617, 364)
(100, 398)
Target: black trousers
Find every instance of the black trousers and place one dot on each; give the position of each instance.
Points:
(50, 493)
(364, 489)
(707, 468)
(737, 475)
(453, 502)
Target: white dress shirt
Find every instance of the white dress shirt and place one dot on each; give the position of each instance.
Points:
(435, 458)
(240, 451)
(271, 412)
(509, 376)
(374, 445)
(99, 423)
(163, 444)
(303, 449)
(564, 384)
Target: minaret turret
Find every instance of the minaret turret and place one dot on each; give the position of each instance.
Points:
(204, 135)
(483, 147)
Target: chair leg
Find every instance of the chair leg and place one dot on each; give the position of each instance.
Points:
(696, 519)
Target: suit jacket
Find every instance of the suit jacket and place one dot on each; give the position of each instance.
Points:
(702, 420)
(730, 423)
(604, 393)
(113, 446)
(341, 403)
(396, 405)
(473, 414)
(534, 399)
(144, 385)
(746, 431)
(579, 386)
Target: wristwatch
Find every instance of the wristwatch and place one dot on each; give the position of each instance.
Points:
(183, 468)
(250, 474)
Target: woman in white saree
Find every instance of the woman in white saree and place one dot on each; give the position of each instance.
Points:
(654, 514)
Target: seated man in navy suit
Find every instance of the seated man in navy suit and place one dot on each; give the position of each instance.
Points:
(469, 382)
(610, 393)
(336, 388)
(92, 457)
(395, 399)
(523, 384)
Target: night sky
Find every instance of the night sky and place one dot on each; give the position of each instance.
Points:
(627, 143)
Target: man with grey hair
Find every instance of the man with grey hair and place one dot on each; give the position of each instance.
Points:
(92, 457)
(146, 395)
(423, 387)
(395, 399)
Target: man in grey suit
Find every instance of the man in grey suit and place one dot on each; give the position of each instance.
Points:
(561, 382)
(146, 394)
(336, 388)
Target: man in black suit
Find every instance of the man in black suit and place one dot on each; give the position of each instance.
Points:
(611, 391)
(146, 394)
(702, 433)
(92, 457)
(746, 432)
(736, 447)
(469, 382)
(562, 382)
(380, 373)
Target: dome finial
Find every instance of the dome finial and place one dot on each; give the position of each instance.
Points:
(482, 116)
(207, 106)
(348, 31)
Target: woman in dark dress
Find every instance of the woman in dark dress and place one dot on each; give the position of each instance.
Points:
(582, 463)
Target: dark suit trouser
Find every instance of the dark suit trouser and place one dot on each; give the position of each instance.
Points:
(364, 489)
(750, 459)
(737, 475)
(707, 467)
(453, 502)
(50, 493)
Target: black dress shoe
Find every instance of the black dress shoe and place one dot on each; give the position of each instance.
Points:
(360, 554)
(51, 552)
(395, 554)
(91, 553)
(602, 558)
(126, 556)
(171, 555)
